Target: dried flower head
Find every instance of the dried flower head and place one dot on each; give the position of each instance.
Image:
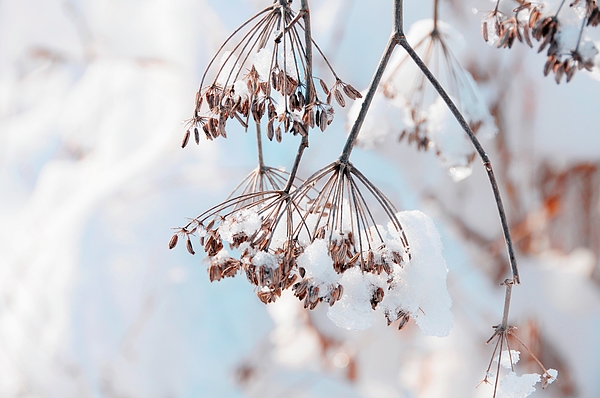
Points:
(307, 239)
(257, 226)
(266, 72)
(340, 215)
(569, 50)
(424, 111)
(501, 29)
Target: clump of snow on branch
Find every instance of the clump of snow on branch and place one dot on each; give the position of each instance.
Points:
(354, 311)
(318, 265)
(508, 359)
(513, 386)
(245, 222)
(419, 287)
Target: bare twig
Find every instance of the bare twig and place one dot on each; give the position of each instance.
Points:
(305, 11)
(482, 154)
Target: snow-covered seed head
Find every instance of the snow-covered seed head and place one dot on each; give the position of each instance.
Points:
(425, 119)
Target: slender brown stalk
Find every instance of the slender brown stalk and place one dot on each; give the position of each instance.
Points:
(398, 19)
(301, 148)
(305, 11)
(482, 154)
(261, 162)
(509, 284)
(435, 15)
(364, 109)
(394, 40)
(398, 38)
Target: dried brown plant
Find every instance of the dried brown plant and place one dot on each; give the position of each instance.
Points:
(528, 21)
(268, 71)
(274, 217)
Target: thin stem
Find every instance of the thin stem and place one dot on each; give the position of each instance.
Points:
(509, 284)
(482, 154)
(308, 50)
(435, 15)
(301, 148)
(304, 9)
(225, 43)
(368, 99)
(394, 40)
(559, 8)
(585, 19)
(261, 162)
(398, 19)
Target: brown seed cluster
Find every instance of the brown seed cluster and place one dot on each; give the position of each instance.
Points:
(528, 22)
(508, 28)
(393, 316)
(566, 67)
(266, 74)
(592, 12)
(269, 231)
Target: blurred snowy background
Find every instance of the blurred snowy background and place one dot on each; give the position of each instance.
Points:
(92, 178)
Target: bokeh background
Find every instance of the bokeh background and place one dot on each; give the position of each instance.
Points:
(92, 179)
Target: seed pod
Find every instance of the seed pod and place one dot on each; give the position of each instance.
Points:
(212, 127)
(377, 297)
(403, 321)
(207, 132)
(197, 135)
(293, 102)
(526, 35)
(274, 80)
(270, 130)
(272, 112)
(351, 92)
(353, 260)
(300, 289)
(186, 138)
(189, 247)
(221, 127)
(324, 87)
(213, 273)
(397, 257)
(311, 119)
(339, 97)
(484, 31)
(301, 100)
(518, 33)
(173, 241)
(323, 123)
(559, 72)
(570, 71)
(290, 281)
(549, 65)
